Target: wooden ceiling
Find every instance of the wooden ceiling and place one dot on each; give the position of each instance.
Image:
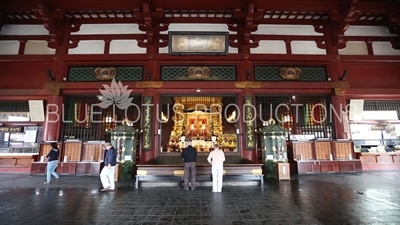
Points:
(361, 12)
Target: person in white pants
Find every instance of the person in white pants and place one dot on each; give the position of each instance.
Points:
(217, 158)
(107, 173)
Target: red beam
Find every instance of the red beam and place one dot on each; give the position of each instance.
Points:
(24, 92)
(213, 20)
(298, 85)
(259, 37)
(223, 5)
(173, 90)
(193, 59)
(21, 123)
(292, 91)
(167, 59)
(93, 90)
(104, 20)
(24, 37)
(256, 37)
(27, 58)
(93, 87)
(369, 58)
(22, 98)
(372, 93)
(22, 21)
(369, 38)
(108, 36)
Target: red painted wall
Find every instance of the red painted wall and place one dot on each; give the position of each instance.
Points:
(373, 75)
(24, 75)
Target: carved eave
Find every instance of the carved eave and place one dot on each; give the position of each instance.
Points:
(75, 27)
(394, 28)
(246, 23)
(2, 19)
(53, 21)
(150, 23)
(341, 20)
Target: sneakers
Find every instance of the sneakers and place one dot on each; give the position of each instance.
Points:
(105, 189)
(57, 179)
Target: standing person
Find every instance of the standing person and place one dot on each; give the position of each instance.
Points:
(189, 156)
(217, 158)
(107, 173)
(52, 162)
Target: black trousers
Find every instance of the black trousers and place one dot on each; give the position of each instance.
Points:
(190, 171)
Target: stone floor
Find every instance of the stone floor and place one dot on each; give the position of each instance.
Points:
(369, 198)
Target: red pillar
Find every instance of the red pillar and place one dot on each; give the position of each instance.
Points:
(250, 154)
(245, 71)
(147, 155)
(54, 117)
(334, 73)
(338, 104)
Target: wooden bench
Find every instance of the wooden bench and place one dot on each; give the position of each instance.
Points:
(239, 172)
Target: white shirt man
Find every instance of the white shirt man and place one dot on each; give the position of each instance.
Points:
(217, 158)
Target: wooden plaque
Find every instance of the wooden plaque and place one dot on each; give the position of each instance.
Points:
(198, 43)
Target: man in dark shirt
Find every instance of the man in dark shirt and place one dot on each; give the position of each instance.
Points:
(189, 156)
(107, 173)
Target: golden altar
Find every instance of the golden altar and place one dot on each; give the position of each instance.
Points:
(199, 118)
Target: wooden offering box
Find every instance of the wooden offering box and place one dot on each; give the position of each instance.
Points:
(92, 157)
(93, 151)
(73, 151)
(45, 148)
(303, 150)
(323, 150)
(38, 167)
(322, 156)
(343, 150)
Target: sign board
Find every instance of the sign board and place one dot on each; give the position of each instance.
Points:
(198, 43)
(14, 116)
(383, 127)
(36, 110)
(302, 137)
(380, 115)
(10, 129)
(356, 109)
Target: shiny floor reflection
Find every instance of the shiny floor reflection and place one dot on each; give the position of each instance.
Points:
(372, 198)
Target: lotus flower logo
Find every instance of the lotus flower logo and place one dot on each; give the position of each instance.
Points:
(117, 94)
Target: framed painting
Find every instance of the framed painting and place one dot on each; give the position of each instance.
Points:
(198, 43)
